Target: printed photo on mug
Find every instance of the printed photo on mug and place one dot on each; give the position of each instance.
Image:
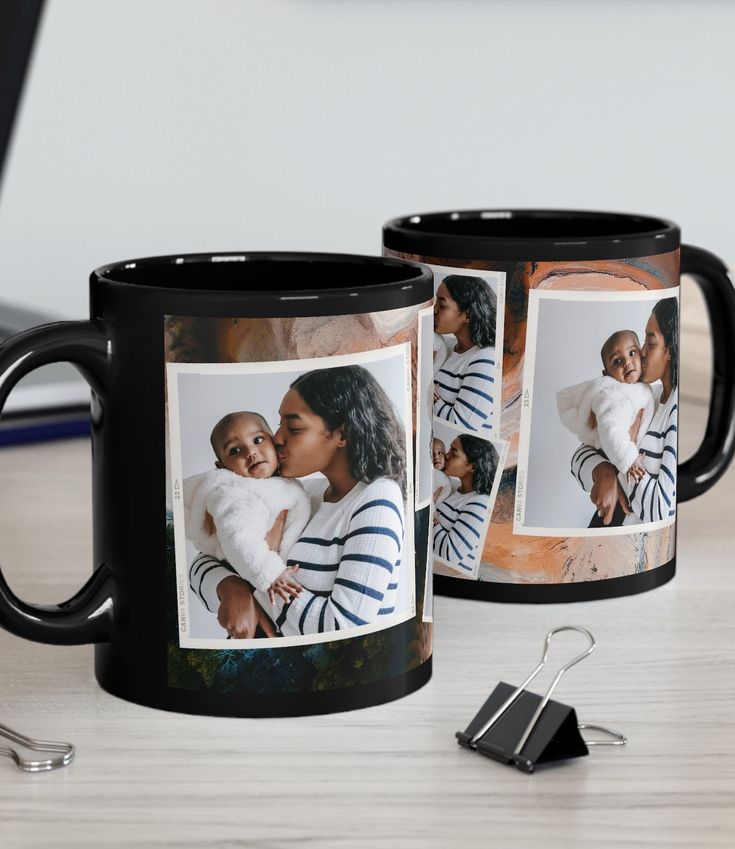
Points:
(466, 477)
(469, 315)
(250, 440)
(600, 391)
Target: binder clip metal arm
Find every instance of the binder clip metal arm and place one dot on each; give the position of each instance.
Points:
(65, 750)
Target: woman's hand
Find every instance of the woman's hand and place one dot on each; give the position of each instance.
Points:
(437, 491)
(239, 613)
(274, 537)
(636, 426)
(607, 493)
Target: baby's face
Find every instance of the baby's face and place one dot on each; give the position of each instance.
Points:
(438, 454)
(623, 362)
(246, 449)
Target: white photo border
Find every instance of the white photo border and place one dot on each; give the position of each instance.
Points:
(173, 370)
(535, 296)
(429, 578)
(424, 348)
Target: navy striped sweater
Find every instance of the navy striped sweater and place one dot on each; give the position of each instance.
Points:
(349, 557)
(458, 535)
(652, 498)
(465, 386)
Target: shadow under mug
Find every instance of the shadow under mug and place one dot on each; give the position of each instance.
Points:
(316, 357)
(553, 331)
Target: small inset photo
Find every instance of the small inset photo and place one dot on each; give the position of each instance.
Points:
(292, 490)
(466, 477)
(469, 315)
(599, 419)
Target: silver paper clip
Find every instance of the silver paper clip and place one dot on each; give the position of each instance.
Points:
(560, 737)
(65, 750)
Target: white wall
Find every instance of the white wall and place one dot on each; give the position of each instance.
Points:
(183, 125)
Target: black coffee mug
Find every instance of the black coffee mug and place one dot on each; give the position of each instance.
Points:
(257, 544)
(555, 402)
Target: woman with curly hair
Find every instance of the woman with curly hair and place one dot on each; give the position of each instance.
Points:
(339, 422)
(460, 518)
(466, 307)
(653, 497)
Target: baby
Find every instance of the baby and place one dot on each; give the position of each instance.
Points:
(441, 351)
(600, 412)
(442, 483)
(229, 510)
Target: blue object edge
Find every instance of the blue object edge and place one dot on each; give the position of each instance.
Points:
(44, 432)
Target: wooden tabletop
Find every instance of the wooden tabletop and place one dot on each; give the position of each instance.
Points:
(391, 776)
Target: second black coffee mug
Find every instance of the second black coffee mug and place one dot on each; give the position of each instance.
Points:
(556, 398)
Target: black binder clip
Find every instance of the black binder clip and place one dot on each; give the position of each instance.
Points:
(536, 730)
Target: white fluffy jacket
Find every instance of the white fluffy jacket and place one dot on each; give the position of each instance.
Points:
(615, 406)
(439, 479)
(244, 510)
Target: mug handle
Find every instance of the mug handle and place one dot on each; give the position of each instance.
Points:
(87, 616)
(709, 462)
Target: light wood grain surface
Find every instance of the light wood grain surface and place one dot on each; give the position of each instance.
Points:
(393, 775)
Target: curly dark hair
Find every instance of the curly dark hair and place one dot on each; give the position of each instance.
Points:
(485, 457)
(667, 316)
(350, 397)
(475, 297)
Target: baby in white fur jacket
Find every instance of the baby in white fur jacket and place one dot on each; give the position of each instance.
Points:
(229, 510)
(441, 483)
(600, 412)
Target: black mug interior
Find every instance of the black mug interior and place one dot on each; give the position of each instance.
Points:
(531, 234)
(262, 272)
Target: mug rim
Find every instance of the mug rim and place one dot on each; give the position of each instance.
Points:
(442, 235)
(414, 274)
